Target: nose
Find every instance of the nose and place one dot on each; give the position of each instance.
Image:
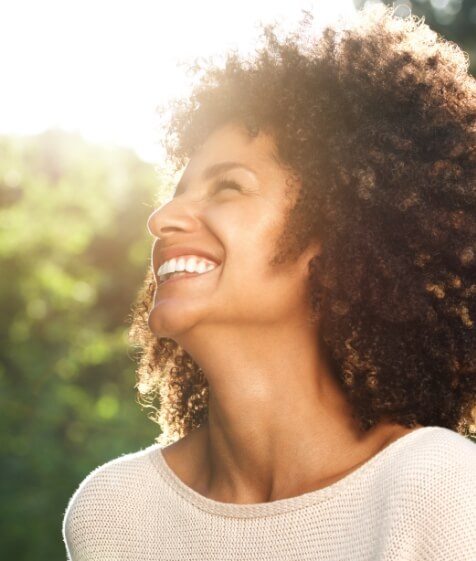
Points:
(172, 218)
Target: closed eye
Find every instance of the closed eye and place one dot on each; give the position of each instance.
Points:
(226, 184)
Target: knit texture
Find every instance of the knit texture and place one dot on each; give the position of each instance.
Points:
(415, 500)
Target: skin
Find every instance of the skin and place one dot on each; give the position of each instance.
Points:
(278, 424)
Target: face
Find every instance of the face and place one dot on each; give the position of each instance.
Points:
(234, 215)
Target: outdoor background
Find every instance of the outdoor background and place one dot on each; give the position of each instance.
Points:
(73, 251)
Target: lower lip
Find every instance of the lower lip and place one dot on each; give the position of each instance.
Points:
(189, 276)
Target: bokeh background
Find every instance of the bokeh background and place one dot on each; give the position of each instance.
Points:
(80, 172)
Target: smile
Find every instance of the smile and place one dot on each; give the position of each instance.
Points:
(182, 275)
(183, 267)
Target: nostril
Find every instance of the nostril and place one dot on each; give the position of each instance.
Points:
(167, 229)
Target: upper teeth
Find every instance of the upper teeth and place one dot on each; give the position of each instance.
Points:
(189, 263)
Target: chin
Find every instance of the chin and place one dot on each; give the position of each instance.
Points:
(166, 321)
(163, 326)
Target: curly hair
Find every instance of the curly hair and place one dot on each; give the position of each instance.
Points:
(378, 120)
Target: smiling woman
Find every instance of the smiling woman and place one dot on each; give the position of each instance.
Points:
(239, 290)
(307, 324)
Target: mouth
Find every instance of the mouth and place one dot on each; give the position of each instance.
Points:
(182, 275)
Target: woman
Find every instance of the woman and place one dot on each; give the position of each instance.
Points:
(308, 322)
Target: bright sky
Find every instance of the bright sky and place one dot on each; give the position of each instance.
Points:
(101, 67)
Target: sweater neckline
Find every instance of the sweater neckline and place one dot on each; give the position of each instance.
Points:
(279, 506)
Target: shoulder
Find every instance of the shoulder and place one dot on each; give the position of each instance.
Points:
(102, 496)
(120, 470)
(430, 463)
(431, 485)
(439, 452)
(435, 461)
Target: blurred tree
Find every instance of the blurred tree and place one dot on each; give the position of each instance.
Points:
(74, 249)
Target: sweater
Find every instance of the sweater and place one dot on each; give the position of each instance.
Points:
(415, 500)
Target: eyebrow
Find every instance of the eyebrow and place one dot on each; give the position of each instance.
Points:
(213, 171)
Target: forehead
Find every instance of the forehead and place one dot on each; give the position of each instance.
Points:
(232, 143)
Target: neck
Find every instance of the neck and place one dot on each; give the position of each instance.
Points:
(277, 419)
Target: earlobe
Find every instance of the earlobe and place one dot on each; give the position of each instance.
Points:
(313, 251)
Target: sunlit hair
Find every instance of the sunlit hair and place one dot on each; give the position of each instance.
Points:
(378, 120)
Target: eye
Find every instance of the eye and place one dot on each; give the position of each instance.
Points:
(226, 184)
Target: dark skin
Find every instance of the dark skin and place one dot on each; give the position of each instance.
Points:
(278, 424)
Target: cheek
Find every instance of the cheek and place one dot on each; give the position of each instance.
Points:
(246, 227)
(267, 298)
(254, 288)
(248, 235)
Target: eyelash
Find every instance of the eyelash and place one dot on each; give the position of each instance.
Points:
(227, 183)
(222, 183)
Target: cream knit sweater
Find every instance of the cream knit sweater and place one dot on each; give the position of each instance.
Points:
(415, 500)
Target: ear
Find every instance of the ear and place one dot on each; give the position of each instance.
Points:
(314, 248)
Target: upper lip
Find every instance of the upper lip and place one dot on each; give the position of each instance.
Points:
(162, 254)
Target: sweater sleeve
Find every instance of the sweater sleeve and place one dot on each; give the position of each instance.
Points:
(430, 512)
(101, 502)
(445, 507)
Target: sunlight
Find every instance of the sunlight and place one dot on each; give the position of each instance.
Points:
(101, 68)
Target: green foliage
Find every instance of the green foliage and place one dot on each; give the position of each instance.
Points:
(74, 249)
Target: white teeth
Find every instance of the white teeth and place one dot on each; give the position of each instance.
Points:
(190, 264)
(170, 266)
